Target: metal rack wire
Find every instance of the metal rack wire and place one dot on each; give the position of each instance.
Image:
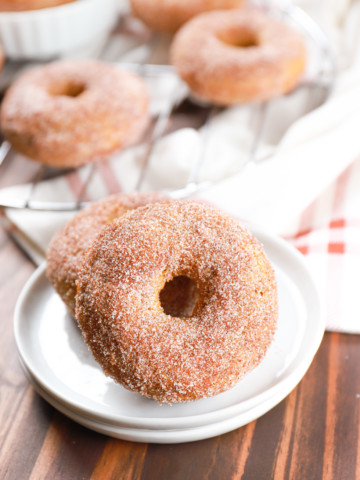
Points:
(319, 86)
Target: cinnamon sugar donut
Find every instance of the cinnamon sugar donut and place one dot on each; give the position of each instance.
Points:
(240, 56)
(169, 15)
(21, 5)
(69, 244)
(68, 113)
(167, 357)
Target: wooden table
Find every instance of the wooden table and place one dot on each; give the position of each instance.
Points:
(312, 434)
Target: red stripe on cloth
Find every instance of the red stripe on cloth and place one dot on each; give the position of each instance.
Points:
(109, 177)
(302, 233)
(313, 249)
(337, 223)
(348, 248)
(304, 249)
(336, 247)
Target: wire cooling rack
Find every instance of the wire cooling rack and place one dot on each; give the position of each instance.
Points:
(318, 85)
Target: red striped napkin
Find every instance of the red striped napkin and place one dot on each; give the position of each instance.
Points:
(329, 238)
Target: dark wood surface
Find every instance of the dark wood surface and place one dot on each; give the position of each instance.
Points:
(312, 434)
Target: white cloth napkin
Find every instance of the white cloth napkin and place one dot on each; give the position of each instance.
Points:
(292, 186)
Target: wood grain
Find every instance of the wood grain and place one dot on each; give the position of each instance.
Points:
(313, 434)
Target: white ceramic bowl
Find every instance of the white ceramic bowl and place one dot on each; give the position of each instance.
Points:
(51, 32)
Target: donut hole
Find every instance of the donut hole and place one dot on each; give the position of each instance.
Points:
(179, 297)
(239, 38)
(67, 89)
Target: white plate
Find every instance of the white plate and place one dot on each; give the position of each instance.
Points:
(53, 353)
(161, 436)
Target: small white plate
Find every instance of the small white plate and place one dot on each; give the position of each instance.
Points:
(160, 436)
(57, 360)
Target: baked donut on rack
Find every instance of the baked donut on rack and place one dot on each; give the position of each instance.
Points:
(71, 112)
(176, 356)
(69, 244)
(169, 15)
(240, 56)
(23, 5)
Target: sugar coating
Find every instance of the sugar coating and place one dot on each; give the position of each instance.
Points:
(169, 15)
(69, 244)
(167, 358)
(208, 55)
(43, 118)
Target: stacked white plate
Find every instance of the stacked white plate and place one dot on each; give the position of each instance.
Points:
(63, 372)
